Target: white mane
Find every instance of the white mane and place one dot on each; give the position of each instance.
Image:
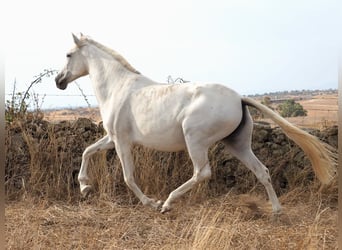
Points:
(112, 52)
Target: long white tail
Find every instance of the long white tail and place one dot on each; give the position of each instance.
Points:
(321, 155)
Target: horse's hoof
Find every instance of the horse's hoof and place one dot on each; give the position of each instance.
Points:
(86, 190)
(156, 204)
(159, 204)
(278, 211)
(276, 218)
(165, 209)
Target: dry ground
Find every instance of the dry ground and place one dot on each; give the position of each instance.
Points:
(220, 223)
(322, 112)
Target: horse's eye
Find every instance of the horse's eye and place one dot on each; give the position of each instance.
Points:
(68, 55)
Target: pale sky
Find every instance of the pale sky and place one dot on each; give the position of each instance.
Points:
(250, 46)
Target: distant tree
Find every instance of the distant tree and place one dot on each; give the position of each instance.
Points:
(290, 108)
(267, 101)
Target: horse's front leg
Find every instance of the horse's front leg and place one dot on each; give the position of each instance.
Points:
(124, 152)
(102, 144)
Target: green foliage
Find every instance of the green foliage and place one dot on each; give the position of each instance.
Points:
(290, 108)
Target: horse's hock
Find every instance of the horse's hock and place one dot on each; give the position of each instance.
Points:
(56, 149)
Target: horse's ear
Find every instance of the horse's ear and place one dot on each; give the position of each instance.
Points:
(76, 40)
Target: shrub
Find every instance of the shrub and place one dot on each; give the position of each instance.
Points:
(290, 108)
(17, 107)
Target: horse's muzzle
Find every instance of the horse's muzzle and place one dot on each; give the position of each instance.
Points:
(62, 80)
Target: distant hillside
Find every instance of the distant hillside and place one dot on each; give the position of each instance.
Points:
(304, 94)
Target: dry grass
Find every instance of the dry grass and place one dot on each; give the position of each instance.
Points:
(322, 112)
(72, 114)
(222, 223)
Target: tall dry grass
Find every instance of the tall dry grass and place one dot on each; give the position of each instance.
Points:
(45, 208)
(50, 158)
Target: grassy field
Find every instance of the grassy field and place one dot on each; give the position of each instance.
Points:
(112, 218)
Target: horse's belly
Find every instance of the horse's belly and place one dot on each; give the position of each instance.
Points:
(167, 139)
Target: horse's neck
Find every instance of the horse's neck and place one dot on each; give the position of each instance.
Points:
(112, 82)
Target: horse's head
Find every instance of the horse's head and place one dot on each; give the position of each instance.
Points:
(75, 67)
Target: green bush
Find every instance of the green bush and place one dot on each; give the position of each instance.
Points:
(290, 108)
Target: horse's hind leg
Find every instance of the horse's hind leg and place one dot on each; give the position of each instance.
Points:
(239, 145)
(260, 171)
(102, 144)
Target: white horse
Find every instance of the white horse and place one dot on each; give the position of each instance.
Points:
(173, 117)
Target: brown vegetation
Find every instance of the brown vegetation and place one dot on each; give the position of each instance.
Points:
(45, 209)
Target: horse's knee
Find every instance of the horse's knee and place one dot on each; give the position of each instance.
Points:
(264, 177)
(204, 174)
